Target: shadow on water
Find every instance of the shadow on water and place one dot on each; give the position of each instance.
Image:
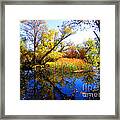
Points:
(59, 87)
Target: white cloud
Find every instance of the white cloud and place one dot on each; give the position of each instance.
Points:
(80, 37)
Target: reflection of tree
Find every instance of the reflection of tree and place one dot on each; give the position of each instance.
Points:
(49, 89)
(38, 46)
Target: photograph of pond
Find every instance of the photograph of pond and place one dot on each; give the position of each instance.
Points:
(60, 60)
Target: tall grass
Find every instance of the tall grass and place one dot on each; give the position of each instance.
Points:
(66, 65)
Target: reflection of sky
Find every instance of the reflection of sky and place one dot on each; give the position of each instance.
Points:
(78, 37)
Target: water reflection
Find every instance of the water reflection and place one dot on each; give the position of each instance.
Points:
(75, 86)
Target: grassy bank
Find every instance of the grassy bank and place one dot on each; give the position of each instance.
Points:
(67, 65)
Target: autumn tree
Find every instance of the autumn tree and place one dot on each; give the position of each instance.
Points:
(84, 25)
(37, 36)
(90, 49)
(90, 53)
(38, 45)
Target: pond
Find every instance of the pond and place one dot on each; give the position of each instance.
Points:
(69, 88)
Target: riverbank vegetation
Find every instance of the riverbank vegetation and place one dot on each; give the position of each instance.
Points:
(46, 55)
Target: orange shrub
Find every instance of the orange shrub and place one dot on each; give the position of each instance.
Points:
(74, 61)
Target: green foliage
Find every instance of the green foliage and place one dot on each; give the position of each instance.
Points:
(90, 53)
(53, 56)
(46, 60)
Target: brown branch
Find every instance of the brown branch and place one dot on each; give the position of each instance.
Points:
(28, 32)
(53, 84)
(53, 47)
(97, 36)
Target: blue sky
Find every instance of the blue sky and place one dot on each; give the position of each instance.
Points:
(52, 24)
(77, 38)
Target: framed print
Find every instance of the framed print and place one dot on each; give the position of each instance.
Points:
(60, 59)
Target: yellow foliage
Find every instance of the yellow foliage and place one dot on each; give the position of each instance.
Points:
(68, 30)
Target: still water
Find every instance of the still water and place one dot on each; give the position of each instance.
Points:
(71, 88)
